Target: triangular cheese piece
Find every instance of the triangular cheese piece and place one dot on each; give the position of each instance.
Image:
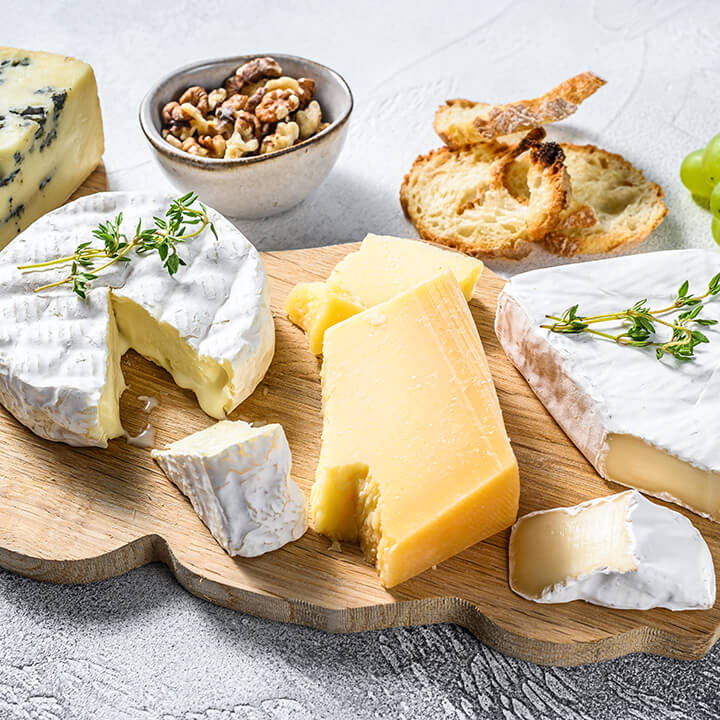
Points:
(237, 478)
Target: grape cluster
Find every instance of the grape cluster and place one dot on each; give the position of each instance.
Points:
(700, 174)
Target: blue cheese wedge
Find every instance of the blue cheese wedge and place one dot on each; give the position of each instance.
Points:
(237, 478)
(209, 325)
(644, 423)
(51, 134)
(621, 551)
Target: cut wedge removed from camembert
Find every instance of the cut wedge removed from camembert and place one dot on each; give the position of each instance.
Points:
(209, 325)
(51, 135)
(645, 423)
(383, 267)
(415, 463)
(237, 478)
(621, 551)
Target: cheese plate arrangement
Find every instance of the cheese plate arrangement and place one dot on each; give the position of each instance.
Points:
(373, 434)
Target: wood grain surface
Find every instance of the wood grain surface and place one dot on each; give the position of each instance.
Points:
(78, 515)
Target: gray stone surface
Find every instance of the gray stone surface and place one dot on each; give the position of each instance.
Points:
(141, 647)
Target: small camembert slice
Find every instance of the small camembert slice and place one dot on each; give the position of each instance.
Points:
(415, 463)
(383, 267)
(51, 134)
(621, 551)
(645, 423)
(237, 478)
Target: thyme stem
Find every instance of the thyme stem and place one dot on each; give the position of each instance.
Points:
(164, 237)
(640, 323)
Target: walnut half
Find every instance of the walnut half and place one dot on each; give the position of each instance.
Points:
(309, 120)
(277, 105)
(284, 136)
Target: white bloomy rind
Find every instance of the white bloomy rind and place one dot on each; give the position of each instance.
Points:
(238, 480)
(595, 388)
(674, 567)
(55, 354)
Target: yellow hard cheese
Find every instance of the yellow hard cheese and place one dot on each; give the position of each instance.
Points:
(415, 462)
(383, 267)
(314, 308)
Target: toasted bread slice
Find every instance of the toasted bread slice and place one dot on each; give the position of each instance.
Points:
(459, 198)
(626, 207)
(463, 122)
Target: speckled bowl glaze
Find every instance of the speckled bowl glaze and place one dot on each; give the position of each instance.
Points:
(257, 186)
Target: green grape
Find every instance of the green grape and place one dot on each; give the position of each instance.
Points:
(711, 161)
(715, 201)
(716, 230)
(693, 176)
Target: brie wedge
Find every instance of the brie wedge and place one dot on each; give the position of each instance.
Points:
(641, 422)
(621, 551)
(237, 478)
(209, 325)
(51, 135)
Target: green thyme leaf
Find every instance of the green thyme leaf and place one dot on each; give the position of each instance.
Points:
(642, 326)
(88, 261)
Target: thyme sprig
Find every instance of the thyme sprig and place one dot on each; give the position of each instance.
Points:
(640, 323)
(181, 223)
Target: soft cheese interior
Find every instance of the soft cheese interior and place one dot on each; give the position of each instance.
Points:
(641, 422)
(621, 551)
(50, 134)
(210, 325)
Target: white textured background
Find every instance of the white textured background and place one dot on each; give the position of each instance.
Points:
(141, 647)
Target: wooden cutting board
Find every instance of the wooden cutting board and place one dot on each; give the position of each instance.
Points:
(78, 515)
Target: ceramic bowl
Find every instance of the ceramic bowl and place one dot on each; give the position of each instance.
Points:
(261, 185)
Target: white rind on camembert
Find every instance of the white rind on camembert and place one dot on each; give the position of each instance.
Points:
(621, 551)
(237, 478)
(51, 134)
(209, 325)
(641, 422)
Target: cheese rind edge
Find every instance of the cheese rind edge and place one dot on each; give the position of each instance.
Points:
(627, 553)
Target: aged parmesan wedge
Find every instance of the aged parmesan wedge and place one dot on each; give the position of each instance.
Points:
(237, 478)
(383, 267)
(621, 551)
(51, 134)
(415, 463)
(648, 424)
(209, 326)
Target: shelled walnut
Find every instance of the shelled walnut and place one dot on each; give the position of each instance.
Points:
(256, 111)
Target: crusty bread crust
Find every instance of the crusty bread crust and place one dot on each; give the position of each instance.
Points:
(498, 190)
(459, 198)
(462, 122)
(625, 205)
